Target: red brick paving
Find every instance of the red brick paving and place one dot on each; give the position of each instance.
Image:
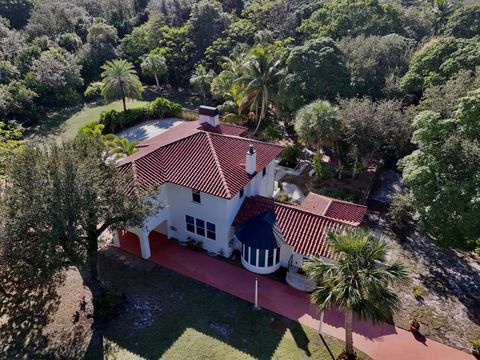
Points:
(379, 341)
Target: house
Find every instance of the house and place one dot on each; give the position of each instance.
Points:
(216, 187)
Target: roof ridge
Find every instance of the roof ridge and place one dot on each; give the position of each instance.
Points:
(245, 139)
(217, 162)
(332, 199)
(296, 207)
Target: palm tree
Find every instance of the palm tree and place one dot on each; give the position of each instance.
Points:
(357, 281)
(201, 81)
(120, 81)
(442, 10)
(262, 73)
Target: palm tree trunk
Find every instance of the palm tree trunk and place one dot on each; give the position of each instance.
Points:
(348, 333)
(158, 83)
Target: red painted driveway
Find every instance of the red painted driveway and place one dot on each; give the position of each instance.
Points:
(380, 341)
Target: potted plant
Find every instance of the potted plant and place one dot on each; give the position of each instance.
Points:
(414, 325)
(476, 348)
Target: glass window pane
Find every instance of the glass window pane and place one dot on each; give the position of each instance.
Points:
(261, 258)
(211, 235)
(191, 228)
(253, 256)
(271, 257)
(278, 256)
(189, 219)
(196, 196)
(210, 226)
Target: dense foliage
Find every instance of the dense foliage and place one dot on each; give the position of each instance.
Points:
(264, 63)
(444, 172)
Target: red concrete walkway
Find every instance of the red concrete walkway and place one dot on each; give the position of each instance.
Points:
(381, 341)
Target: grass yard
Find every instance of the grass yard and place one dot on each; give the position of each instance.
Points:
(65, 123)
(169, 316)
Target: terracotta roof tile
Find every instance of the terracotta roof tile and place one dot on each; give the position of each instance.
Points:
(205, 161)
(334, 209)
(305, 231)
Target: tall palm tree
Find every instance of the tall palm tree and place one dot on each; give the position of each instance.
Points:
(442, 10)
(120, 81)
(357, 281)
(262, 73)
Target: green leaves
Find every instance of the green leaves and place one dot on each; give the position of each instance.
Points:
(444, 173)
(120, 81)
(358, 280)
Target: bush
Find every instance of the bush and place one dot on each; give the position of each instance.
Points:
(290, 155)
(283, 198)
(417, 293)
(343, 193)
(401, 209)
(273, 131)
(161, 108)
(93, 90)
(115, 121)
(320, 169)
(107, 302)
(476, 345)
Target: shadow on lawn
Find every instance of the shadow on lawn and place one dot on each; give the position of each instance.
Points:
(26, 307)
(449, 272)
(163, 305)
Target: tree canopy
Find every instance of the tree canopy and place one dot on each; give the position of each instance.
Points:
(443, 173)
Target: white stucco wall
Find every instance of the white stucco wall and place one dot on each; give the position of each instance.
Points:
(177, 202)
(212, 209)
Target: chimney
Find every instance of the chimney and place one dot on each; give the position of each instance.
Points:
(208, 115)
(251, 162)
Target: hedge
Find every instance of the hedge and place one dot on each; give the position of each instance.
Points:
(160, 108)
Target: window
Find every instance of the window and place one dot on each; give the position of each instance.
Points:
(211, 231)
(264, 171)
(190, 223)
(261, 258)
(200, 227)
(277, 256)
(271, 255)
(253, 256)
(196, 196)
(241, 193)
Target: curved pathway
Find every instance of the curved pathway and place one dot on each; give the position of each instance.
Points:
(379, 341)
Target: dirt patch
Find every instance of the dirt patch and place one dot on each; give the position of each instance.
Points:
(49, 322)
(448, 282)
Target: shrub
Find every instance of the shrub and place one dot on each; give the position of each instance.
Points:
(106, 302)
(283, 198)
(343, 193)
(161, 108)
(401, 209)
(320, 169)
(417, 293)
(290, 155)
(90, 126)
(476, 345)
(115, 121)
(93, 90)
(273, 131)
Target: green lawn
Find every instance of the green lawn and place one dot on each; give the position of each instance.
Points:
(65, 123)
(169, 316)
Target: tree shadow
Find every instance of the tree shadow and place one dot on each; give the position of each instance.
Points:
(449, 271)
(25, 311)
(162, 306)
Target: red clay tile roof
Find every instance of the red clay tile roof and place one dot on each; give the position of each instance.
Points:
(204, 161)
(339, 210)
(223, 128)
(305, 231)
